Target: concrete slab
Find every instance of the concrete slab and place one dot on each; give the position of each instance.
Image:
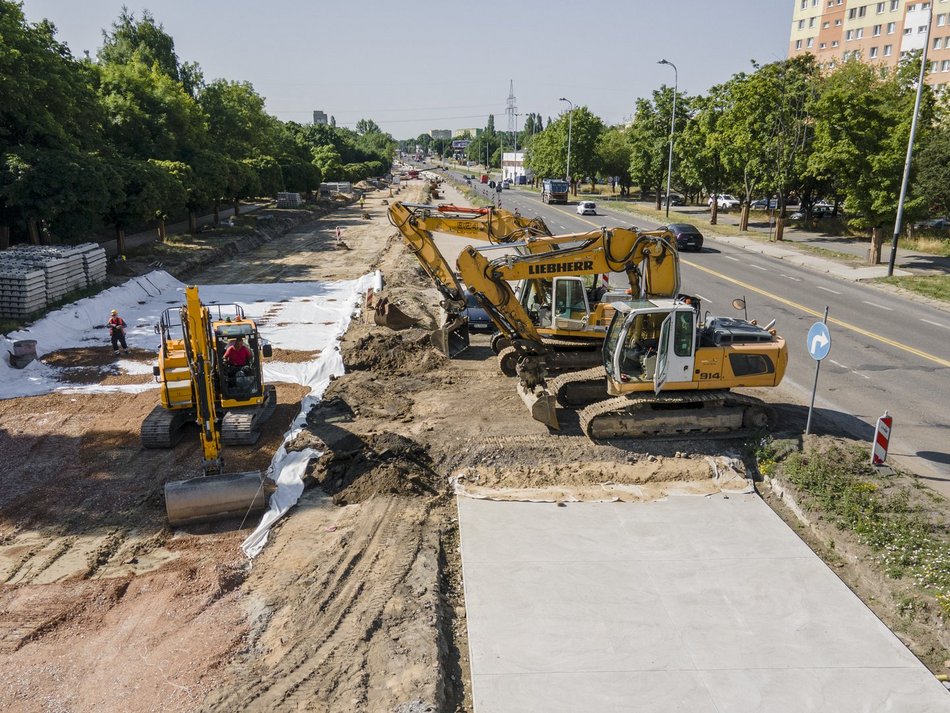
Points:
(689, 604)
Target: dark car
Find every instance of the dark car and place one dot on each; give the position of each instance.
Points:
(478, 319)
(764, 204)
(688, 236)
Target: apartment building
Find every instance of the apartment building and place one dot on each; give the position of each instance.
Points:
(875, 32)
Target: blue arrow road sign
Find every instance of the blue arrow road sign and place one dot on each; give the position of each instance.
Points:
(819, 341)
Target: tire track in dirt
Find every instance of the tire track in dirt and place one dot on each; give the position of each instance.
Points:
(334, 661)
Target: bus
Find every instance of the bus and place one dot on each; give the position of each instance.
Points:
(554, 190)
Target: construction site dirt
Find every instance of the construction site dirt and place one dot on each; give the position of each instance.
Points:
(356, 602)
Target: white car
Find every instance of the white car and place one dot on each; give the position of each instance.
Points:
(587, 208)
(724, 201)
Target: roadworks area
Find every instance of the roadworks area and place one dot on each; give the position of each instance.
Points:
(356, 602)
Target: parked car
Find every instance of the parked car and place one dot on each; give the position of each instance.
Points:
(478, 319)
(764, 204)
(724, 201)
(933, 224)
(587, 208)
(506, 183)
(674, 200)
(688, 236)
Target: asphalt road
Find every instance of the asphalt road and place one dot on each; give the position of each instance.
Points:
(888, 352)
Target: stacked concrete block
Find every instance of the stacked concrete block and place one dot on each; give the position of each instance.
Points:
(22, 290)
(34, 276)
(289, 200)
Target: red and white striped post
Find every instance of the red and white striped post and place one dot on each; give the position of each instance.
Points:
(882, 436)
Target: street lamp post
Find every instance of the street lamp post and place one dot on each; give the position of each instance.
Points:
(669, 168)
(910, 151)
(570, 121)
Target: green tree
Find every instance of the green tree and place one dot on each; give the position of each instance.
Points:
(148, 114)
(650, 141)
(547, 156)
(146, 41)
(614, 151)
(862, 123)
(932, 183)
(238, 124)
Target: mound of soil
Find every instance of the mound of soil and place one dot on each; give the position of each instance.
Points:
(380, 464)
(385, 352)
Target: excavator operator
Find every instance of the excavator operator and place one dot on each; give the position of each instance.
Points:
(236, 356)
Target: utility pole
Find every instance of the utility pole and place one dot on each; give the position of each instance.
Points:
(570, 121)
(669, 168)
(910, 147)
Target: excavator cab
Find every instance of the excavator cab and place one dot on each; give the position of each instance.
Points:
(571, 308)
(239, 385)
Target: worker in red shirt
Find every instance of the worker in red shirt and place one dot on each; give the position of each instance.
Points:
(117, 332)
(237, 355)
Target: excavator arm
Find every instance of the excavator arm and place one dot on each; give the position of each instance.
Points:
(452, 337)
(198, 341)
(494, 225)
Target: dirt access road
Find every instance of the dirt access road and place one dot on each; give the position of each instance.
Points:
(355, 604)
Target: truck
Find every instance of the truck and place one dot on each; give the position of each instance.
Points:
(554, 190)
(484, 178)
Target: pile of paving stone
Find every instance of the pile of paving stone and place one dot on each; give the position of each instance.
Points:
(34, 276)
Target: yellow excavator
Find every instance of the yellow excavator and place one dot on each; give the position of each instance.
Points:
(668, 374)
(416, 222)
(228, 403)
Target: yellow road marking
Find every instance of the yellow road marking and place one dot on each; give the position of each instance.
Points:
(815, 313)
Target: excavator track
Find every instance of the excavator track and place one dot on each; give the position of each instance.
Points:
(241, 427)
(676, 414)
(163, 428)
(576, 389)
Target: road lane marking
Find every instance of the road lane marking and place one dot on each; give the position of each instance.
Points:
(828, 289)
(875, 304)
(759, 267)
(797, 279)
(936, 324)
(819, 315)
(734, 259)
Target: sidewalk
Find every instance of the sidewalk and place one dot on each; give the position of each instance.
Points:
(134, 240)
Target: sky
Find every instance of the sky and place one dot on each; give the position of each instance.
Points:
(412, 66)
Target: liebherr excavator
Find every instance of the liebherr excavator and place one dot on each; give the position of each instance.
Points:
(229, 404)
(666, 374)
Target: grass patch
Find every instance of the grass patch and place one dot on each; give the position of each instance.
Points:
(925, 244)
(936, 287)
(906, 533)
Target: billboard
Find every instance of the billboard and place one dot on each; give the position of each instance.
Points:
(460, 144)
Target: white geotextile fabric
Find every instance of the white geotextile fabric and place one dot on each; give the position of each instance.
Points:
(287, 468)
(302, 316)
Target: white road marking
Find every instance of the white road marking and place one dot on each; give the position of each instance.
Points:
(936, 324)
(849, 369)
(874, 304)
(708, 302)
(826, 289)
(759, 267)
(734, 259)
(797, 279)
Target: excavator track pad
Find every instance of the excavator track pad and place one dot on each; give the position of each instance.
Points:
(241, 426)
(163, 428)
(676, 414)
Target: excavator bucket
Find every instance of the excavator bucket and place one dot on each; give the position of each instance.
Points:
(541, 404)
(390, 316)
(452, 338)
(216, 497)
